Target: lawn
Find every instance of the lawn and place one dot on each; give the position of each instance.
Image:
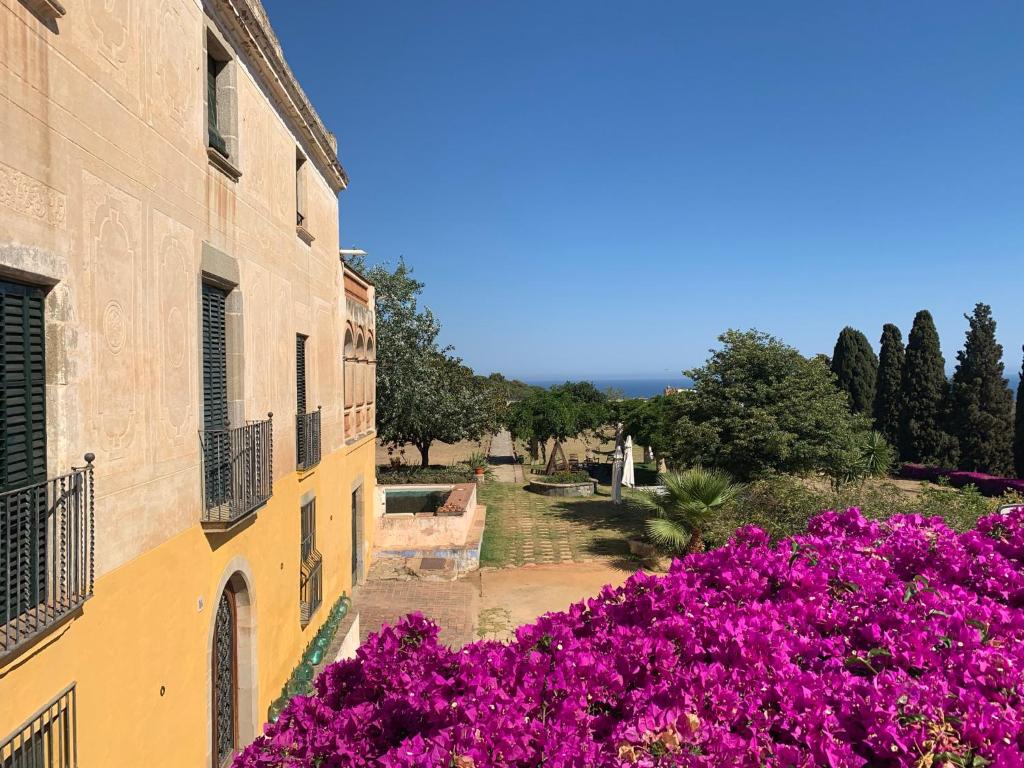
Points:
(526, 528)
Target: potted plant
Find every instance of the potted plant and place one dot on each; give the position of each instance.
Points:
(478, 462)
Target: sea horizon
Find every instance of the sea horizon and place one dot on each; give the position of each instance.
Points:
(631, 387)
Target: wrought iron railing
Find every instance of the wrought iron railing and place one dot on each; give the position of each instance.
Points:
(47, 538)
(307, 439)
(48, 738)
(237, 471)
(310, 586)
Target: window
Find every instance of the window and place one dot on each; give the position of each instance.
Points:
(300, 192)
(221, 105)
(311, 564)
(47, 739)
(23, 518)
(214, 69)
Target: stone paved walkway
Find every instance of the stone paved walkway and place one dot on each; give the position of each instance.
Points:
(501, 457)
(452, 604)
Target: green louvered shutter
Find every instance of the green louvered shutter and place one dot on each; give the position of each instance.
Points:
(217, 455)
(22, 448)
(215, 139)
(300, 399)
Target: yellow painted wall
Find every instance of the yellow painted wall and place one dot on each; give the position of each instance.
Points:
(143, 628)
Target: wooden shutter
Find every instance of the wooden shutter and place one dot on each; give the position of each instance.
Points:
(215, 139)
(300, 373)
(215, 359)
(22, 448)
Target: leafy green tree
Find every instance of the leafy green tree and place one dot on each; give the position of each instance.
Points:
(888, 398)
(691, 501)
(982, 403)
(557, 414)
(424, 394)
(647, 421)
(1018, 443)
(856, 368)
(924, 435)
(758, 406)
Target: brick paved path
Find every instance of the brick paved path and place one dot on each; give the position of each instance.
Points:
(452, 604)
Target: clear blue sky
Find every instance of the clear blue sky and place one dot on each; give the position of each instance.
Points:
(598, 189)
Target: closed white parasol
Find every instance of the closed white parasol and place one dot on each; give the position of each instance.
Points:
(628, 479)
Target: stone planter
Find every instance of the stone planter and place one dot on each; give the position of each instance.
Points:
(562, 489)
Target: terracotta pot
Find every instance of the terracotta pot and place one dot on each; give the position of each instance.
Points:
(479, 470)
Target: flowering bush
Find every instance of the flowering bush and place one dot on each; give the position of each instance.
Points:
(860, 643)
(990, 485)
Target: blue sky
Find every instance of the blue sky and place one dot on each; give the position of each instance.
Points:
(598, 189)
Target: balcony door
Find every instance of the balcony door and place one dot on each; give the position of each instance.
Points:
(224, 707)
(216, 438)
(22, 449)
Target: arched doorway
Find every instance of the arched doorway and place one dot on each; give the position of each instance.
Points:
(232, 663)
(224, 706)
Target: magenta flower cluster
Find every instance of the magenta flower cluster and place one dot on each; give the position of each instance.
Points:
(860, 643)
(989, 485)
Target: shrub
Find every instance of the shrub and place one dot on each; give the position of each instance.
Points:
(989, 485)
(575, 476)
(861, 643)
(409, 475)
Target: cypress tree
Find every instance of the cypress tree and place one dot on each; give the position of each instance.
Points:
(982, 414)
(1018, 443)
(925, 398)
(856, 367)
(888, 402)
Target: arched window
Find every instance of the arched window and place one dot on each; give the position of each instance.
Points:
(225, 679)
(371, 370)
(349, 368)
(360, 370)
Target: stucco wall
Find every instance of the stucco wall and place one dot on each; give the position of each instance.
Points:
(108, 195)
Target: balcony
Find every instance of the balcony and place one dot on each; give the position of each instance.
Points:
(47, 537)
(237, 472)
(310, 586)
(307, 440)
(48, 738)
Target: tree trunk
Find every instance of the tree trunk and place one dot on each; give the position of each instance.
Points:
(424, 455)
(662, 466)
(696, 542)
(534, 450)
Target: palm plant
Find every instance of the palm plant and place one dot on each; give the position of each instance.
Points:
(691, 499)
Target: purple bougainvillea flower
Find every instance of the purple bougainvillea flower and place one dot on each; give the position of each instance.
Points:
(857, 644)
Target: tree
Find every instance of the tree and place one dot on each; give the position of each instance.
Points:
(888, 400)
(691, 500)
(758, 406)
(424, 394)
(557, 414)
(856, 368)
(647, 421)
(982, 403)
(1018, 445)
(924, 398)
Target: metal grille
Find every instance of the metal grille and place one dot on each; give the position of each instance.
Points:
(224, 733)
(48, 739)
(47, 538)
(237, 470)
(311, 570)
(307, 439)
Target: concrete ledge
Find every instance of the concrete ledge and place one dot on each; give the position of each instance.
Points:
(562, 489)
(349, 633)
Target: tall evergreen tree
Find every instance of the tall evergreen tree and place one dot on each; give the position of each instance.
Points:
(888, 401)
(982, 403)
(856, 367)
(925, 398)
(1018, 443)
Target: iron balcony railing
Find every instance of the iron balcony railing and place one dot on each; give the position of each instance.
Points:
(310, 586)
(47, 540)
(48, 738)
(307, 439)
(237, 471)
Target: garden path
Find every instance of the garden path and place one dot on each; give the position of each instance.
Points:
(502, 459)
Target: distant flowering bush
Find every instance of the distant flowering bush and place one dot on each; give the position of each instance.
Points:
(989, 485)
(859, 643)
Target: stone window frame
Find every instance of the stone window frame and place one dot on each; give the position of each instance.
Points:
(216, 47)
(302, 166)
(221, 270)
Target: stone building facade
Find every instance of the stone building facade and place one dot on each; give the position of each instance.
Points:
(174, 306)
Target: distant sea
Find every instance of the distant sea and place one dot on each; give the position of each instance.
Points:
(628, 387)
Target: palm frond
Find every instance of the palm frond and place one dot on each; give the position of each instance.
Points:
(668, 533)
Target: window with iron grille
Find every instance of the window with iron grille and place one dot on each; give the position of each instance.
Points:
(47, 739)
(311, 565)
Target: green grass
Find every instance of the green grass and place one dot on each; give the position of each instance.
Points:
(524, 527)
